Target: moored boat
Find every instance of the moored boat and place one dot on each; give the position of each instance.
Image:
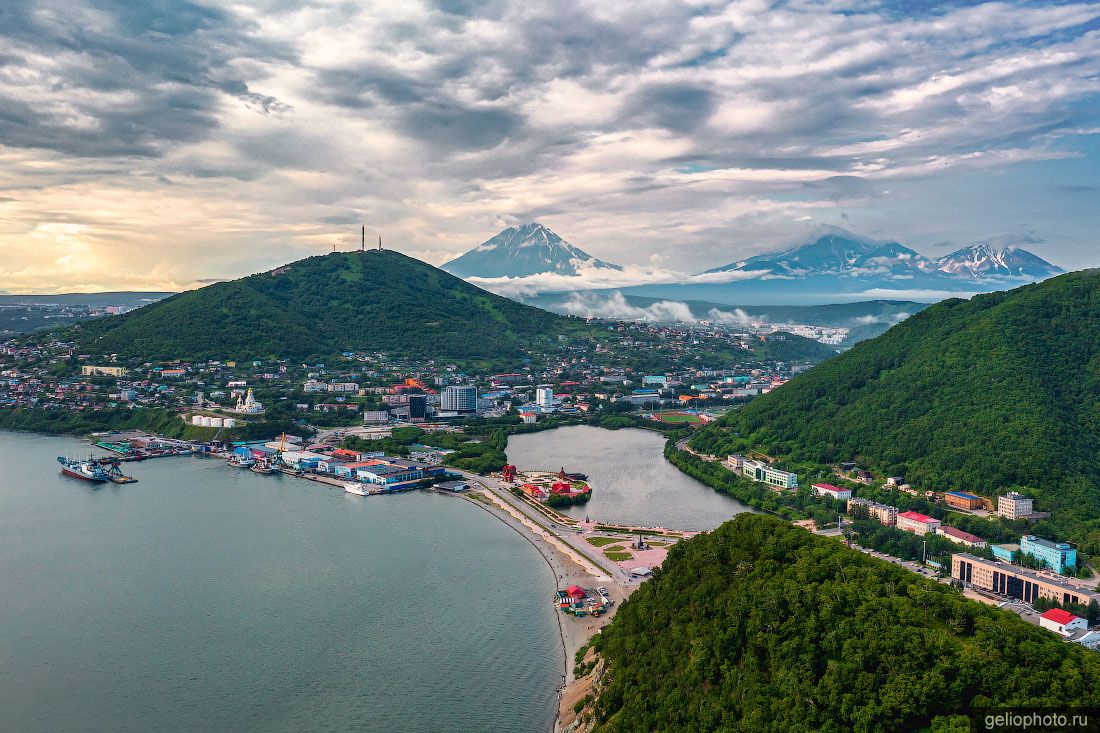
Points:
(239, 461)
(89, 470)
(357, 489)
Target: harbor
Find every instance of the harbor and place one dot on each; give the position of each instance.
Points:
(596, 565)
(195, 553)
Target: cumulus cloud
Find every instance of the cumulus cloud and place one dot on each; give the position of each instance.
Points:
(616, 307)
(701, 132)
(869, 320)
(736, 317)
(602, 278)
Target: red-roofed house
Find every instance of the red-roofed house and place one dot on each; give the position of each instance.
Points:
(535, 492)
(833, 492)
(1062, 622)
(576, 591)
(960, 537)
(917, 523)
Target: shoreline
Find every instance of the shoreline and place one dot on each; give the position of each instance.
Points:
(574, 633)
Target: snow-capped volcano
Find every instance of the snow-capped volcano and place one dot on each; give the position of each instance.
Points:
(841, 253)
(519, 251)
(983, 259)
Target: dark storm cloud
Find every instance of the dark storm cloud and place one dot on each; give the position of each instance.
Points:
(451, 126)
(677, 107)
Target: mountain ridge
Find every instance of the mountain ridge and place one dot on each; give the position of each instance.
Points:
(842, 253)
(363, 300)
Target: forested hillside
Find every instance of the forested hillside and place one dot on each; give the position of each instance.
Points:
(344, 301)
(999, 391)
(762, 626)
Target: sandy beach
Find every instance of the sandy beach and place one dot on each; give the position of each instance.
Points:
(568, 570)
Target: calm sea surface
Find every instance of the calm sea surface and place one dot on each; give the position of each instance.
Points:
(632, 481)
(211, 598)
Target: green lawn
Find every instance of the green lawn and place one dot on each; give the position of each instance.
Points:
(602, 541)
(617, 556)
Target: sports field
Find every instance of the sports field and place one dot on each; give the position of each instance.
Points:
(677, 417)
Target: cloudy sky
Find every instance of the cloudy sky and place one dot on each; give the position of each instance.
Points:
(163, 143)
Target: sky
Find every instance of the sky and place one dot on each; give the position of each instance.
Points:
(163, 144)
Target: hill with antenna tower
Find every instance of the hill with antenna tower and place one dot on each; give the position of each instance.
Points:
(363, 300)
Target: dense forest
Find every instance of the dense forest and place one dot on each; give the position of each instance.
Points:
(783, 346)
(760, 625)
(998, 392)
(344, 301)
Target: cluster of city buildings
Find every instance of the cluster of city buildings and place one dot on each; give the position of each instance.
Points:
(568, 378)
(387, 473)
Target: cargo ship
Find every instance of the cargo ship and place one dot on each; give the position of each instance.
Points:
(89, 470)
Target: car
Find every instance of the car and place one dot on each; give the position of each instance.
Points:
(602, 591)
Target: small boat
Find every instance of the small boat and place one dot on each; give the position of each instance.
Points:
(357, 489)
(265, 469)
(89, 470)
(239, 461)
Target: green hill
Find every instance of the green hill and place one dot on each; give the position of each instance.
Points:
(985, 394)
(783, 346)
(344, 301)
(762, 626)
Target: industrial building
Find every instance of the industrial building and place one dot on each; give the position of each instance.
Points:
(1017, 582)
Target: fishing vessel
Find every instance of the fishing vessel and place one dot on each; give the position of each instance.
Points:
(239, 461)
(357, 489)
(88, 470)
(264, 468)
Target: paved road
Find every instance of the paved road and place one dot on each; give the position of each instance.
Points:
(567, 534)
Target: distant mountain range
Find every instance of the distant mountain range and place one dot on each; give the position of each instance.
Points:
(847, 255)
(521, 251)
(838, 266)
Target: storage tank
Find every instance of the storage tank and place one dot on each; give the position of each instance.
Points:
(196, 419)
(205, 421)
(229, 422)
(215, 422)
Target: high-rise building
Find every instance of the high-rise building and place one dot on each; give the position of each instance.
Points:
(458, 398)
(418, 406)
(544, 397)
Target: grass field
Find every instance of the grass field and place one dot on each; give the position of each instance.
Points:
(677, 417)
(601, 541)
(617, 556)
